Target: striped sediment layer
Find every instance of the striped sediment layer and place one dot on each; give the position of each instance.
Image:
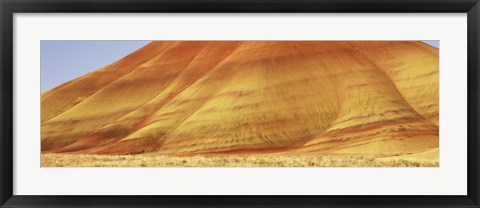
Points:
(246, 97)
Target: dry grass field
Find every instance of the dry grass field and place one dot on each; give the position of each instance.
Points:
(69, 160)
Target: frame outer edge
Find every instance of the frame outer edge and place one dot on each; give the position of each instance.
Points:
(6, 104)
(473, 21)
(477, 146)
(2, 169)
(473, 101)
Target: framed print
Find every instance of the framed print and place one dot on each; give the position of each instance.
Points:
(239, 104)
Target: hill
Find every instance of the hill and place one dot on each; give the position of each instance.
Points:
(251, 97)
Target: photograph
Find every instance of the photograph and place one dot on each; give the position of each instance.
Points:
(309, 103)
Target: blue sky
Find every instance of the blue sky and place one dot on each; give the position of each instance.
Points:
(64, 60)
(435, 43)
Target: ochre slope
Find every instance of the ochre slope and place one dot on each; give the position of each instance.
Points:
(67, 95)
(253, 97)
(413, 68)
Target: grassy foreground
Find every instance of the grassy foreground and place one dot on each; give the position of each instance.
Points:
(73, 160)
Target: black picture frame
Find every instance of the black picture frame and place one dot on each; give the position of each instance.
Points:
(9, 7)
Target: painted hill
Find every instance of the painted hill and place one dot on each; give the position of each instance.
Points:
(251, 97)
